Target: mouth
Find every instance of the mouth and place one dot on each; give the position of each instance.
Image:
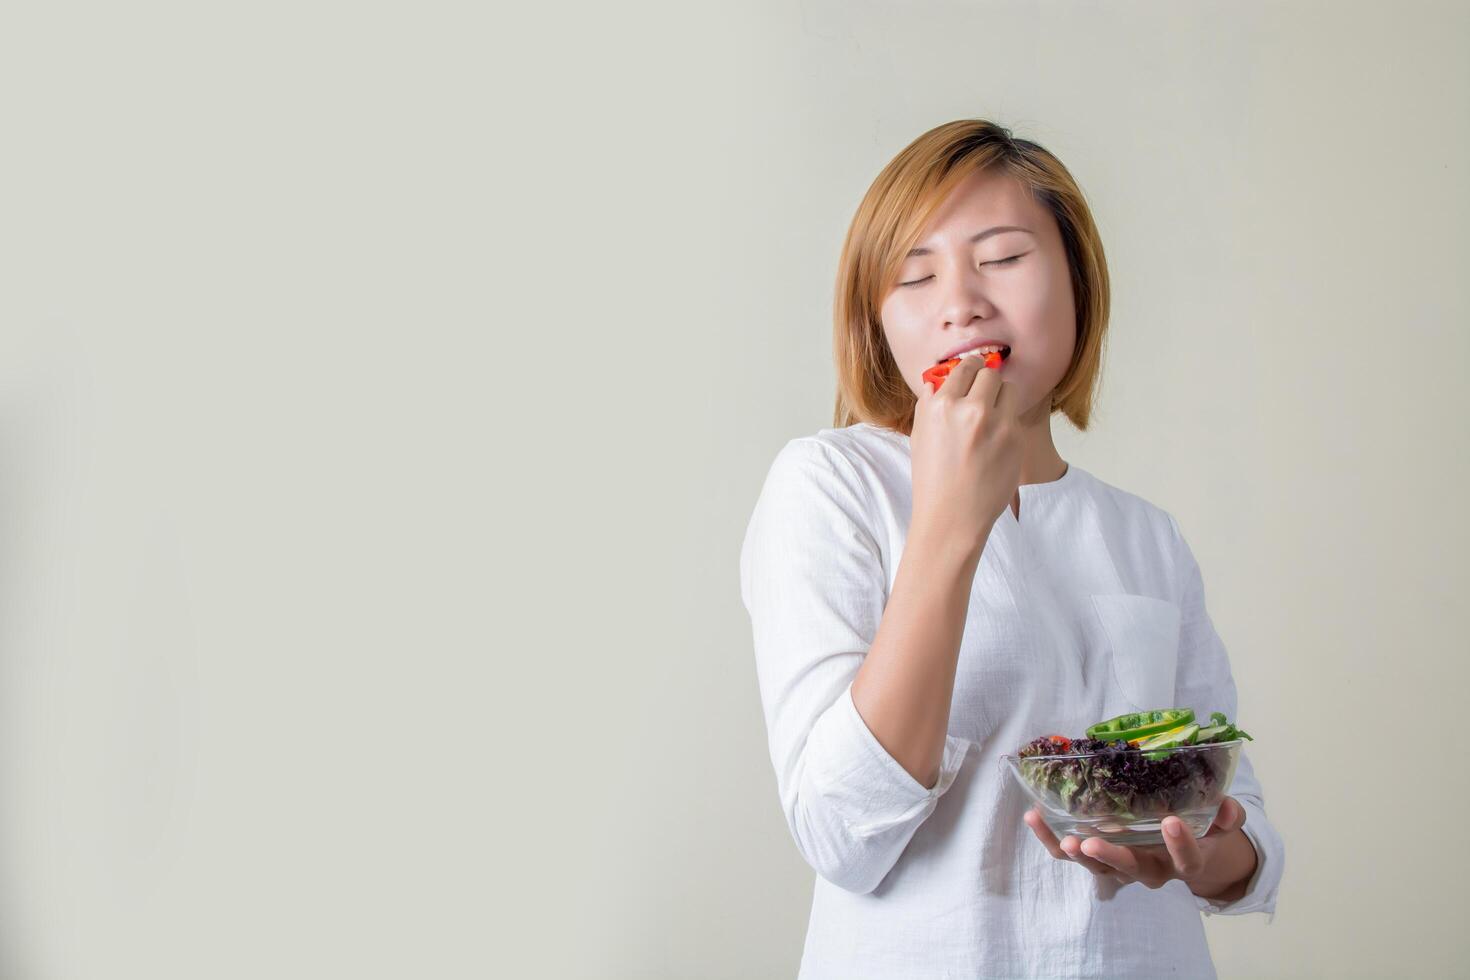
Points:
(1003, 349)
(994, 356)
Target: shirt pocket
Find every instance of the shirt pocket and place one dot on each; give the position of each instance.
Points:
(1141, 634)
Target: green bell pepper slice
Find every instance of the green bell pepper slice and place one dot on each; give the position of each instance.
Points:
(1140, 724)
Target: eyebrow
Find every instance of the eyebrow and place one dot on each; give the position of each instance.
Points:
(980, 237)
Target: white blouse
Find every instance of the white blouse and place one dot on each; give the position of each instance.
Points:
(1087, 606)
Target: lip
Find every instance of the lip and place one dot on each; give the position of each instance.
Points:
(970, 345)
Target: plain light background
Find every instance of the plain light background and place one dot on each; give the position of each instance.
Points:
(385, 388)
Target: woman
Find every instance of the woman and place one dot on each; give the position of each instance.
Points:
(931, 586)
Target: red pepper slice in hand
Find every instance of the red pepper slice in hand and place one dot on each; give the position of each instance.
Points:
(940, 371)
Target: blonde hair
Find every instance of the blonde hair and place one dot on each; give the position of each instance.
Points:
(888, 222)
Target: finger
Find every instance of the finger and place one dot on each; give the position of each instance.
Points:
(1043, 833)
(986, 386)
(957, 383)
(1184, 850)
(1074, 850)
(1230, 817)
(1005, 398)
(1241, 813)
(1115, 857)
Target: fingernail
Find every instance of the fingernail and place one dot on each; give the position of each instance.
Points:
(1175, 828)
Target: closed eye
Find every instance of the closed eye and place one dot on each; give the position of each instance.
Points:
(1013, 258)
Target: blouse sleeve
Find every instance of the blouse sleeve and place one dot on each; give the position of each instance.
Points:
(812, 580)
(1206, 684)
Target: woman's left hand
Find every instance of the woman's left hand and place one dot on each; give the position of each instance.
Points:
(1199, 862)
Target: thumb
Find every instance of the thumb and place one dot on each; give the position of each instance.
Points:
(1230, 816)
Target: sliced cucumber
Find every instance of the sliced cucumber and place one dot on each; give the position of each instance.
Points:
(1168, 740)
(1223, 733)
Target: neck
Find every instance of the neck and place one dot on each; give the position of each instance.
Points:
(1040, 461)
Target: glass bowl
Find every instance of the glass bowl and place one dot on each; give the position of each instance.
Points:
(1122, 795)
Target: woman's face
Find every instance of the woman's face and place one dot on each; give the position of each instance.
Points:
(963, 289)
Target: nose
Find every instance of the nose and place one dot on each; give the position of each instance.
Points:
(963, 299)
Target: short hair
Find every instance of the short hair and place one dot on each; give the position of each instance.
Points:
(892, 215)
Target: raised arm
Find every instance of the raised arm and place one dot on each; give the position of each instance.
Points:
(855, 684)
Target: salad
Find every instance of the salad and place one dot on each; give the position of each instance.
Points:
(1129, 766)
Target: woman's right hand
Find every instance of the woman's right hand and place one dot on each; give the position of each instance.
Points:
(966, 448)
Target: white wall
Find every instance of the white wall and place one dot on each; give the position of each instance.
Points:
(384, 392)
